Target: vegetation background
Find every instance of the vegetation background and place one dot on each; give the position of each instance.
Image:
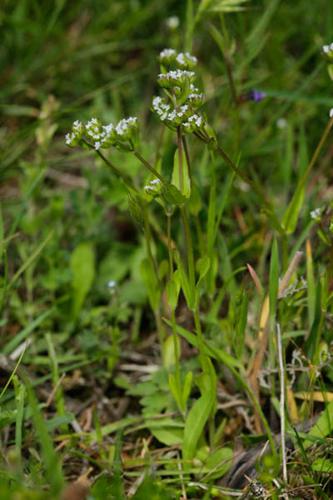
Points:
(85, 398)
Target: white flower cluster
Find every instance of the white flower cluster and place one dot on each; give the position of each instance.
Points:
(182, 60)
(153, 187)
(185, 60)
(126, 125)
(179, 77)
(184, 98)
(73, 137)
(167, 54)
(328, 49)
(103, 136)
(70, 139)
(193, 123)
(183, 115)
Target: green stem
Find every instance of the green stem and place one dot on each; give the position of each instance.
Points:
(187, 156)
(148, 238)
(127, 180)
(189, 246)
(317, 151)
(173, 312)
(149, 166)
(180, 160)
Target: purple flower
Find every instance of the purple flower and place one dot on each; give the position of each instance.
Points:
(256, 95)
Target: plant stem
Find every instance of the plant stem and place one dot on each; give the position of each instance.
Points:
(173, 312)
(189, 246)
(180, 159)
(149, 166)
(317, 150)
(157, 313)
(282, 403)
(114, 169)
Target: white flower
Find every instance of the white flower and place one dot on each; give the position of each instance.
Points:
(185, 59)
(167, 54)
(112, 284)
(331, 113)
(125, 127)
(153, 187)
(316, 213)
(70, 139)
(160, 107)
(175, 77)
(281, 123)
(172, 22)
(328, 49)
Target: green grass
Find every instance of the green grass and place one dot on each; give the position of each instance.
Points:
(140, 334)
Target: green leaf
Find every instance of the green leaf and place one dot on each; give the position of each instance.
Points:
(170, 351)
(218, 462)
(203, 265)
(228, 6)
(166, 430)
(50, 459)
(102, 488)
(175, 389)
(185, 284)
(323, 427)
(209, 347)
(135, 208)
(200, 412)
(83, 273)
(187, 388)
(322, 465)
(153, 490)
(291, 215)
(173, 289)
(168, 435)
(180, 175)
(150, 279)
(172, 195)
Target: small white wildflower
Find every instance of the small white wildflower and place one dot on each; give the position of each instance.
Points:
(195, 96)
(153, 187)
(77, 126)
(331, 113)
(160, 107)
(281, 123)
(328, 49)
(186, 59)
(108, 128)
(316, 213)
(112, 284)
(197, 119)
(175, 77)
(125, 125)
(182, 111)
(70, 138)
(172, 116)
(97, 145)
(167, 54)
(172, 22)
(92, 123)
